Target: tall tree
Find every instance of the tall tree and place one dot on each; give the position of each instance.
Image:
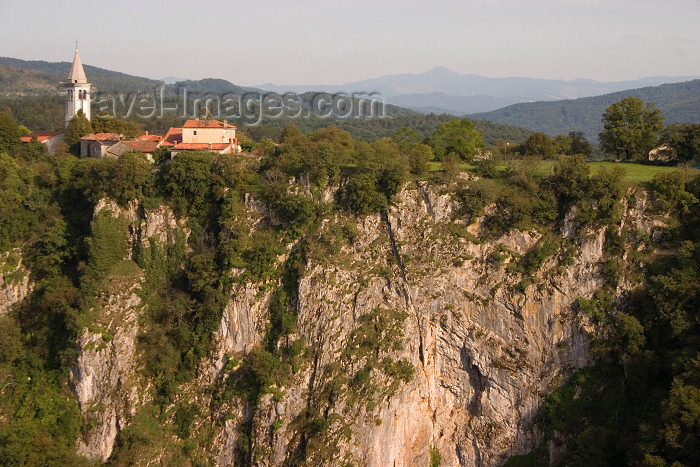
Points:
(457, 136)
(579, 144)
(9, 133)
(631, 128)
(78, 126)
(539, 144)
(684, 140)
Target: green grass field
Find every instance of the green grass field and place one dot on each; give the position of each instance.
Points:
(634, 173)
(638, 173)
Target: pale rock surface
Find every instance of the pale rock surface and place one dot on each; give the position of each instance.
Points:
(14, 280)
(485, 346)
(485, 352)
(105, 377)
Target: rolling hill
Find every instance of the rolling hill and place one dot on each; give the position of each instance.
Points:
(679, 102)
(43, 76)
(441, 90)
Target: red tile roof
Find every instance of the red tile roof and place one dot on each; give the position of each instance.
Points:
(41, 136)
(203, 146)
(157, 138)
(141, 145)
(172, 137)
(206, 124)
(102, 137)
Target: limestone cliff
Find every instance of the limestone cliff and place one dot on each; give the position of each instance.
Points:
(463, 344)
(487, 342)
(107, 376)
(14, 279)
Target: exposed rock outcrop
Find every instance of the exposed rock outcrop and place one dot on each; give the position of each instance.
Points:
(14, 279)
(106, 376)
(486, 342)
(486, 345)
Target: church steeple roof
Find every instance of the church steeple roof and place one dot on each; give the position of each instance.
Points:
(77, 74)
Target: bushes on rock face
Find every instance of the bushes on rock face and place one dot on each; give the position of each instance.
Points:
(670, 194)
(187, 180)
(107, 246)
(131, 178)
(361, 196)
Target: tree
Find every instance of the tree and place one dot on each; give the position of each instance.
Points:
(419, 157)
(330, 149)
(361, 196)
(9, 133)
(570, 179)
(78, 126)
(579, 144)
(457, 136)
(188, 180)
(405, 138)
(131, 177)
(630, 128)
(106, 247)
(127, 128)
(539, 144)
(684, 140)
(562, 144)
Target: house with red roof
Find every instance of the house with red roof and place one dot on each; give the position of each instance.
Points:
(49, 138)
(146, 144)
(203, 135)
(171, 138)
(96, 144)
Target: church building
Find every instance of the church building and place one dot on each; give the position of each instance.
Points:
(77, 90)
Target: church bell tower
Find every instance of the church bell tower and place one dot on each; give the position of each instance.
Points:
(77, 90)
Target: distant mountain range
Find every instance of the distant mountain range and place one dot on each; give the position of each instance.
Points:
(679, 102)
(443, 91)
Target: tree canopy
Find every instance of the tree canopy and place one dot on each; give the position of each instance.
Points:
(456, 136)
(78, 126)
(631, 128)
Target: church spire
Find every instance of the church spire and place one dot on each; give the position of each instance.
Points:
(77, 89)
(77, 74)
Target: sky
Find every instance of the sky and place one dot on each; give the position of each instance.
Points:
(339, 41)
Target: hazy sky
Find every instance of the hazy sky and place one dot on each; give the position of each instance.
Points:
(312, 42)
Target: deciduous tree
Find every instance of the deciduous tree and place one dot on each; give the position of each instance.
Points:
(78, 126)
(631, 128)
(457, 136)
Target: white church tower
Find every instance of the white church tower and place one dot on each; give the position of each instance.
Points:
(77, 90)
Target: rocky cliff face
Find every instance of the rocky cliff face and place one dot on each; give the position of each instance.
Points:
(419, 339)
(14, 280)
(107, 377)
(485, 349)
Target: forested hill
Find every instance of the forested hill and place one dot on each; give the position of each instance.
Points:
(679, 102)
(21, 77)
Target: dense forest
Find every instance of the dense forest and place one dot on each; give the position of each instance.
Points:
(45, 113)
(679, 102)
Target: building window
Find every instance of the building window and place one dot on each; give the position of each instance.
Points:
(195, 132)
